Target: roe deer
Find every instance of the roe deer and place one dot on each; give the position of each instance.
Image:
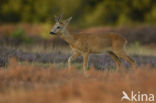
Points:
(85, 44)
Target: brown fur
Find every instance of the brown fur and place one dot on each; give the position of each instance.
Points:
(84, 44)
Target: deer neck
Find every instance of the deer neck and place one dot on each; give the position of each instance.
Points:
(67, 37)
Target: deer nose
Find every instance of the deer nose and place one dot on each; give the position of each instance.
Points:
(52, 33)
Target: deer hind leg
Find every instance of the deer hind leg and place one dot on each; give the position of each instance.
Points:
(75, 54)
(121, 53)
(115, 58)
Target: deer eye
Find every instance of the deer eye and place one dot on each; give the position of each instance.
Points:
(58, 27)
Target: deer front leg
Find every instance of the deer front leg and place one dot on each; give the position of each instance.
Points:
(85, 61)
(75, 54)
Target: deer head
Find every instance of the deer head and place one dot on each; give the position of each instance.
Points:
(60, 26)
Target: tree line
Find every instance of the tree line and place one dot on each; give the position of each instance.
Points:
(84, 12)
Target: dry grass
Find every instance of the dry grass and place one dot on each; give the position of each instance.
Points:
(32, 84)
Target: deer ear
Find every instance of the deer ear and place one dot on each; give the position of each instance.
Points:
(68, 20)
(56, 18)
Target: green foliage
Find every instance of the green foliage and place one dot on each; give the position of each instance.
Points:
(151, 17)
(20, 36)
(136, 45)
(84, 12)
(137, 49)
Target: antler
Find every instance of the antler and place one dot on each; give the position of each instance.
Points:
(61, 16)
(58, 19)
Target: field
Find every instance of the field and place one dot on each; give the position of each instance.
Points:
(36, 84)
(59, 58)
(36, 71)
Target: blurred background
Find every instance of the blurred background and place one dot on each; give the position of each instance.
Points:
(86, 13)
(25, 24)
(36, 17)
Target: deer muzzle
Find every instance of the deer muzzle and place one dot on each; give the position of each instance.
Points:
(52, 33)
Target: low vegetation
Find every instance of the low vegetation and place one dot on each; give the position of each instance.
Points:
(28, 83)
